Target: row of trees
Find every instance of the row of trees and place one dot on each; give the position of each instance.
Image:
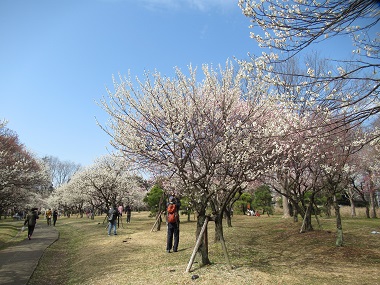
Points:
(217, 138)
(301, 128)
(99, 186)
(296, 122)
(26, 180)
(23, 177)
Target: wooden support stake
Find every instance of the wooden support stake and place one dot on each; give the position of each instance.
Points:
(198, 243)
(155, 223)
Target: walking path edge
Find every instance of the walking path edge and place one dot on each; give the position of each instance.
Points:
(18, 262)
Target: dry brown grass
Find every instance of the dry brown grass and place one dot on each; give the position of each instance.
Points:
(264, 250)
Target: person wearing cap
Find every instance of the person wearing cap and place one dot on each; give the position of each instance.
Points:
(173, 226)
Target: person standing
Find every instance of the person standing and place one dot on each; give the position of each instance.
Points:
(172, 224)
(31, 220)
(128, 211)
(55, 216)
(48, 217)
(113, 214)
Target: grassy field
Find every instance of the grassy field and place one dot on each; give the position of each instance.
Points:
(263, 250)
(10, 232)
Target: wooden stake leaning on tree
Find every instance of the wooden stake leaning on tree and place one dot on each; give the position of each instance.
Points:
(160, 212)
(198, 243)
(157, 219)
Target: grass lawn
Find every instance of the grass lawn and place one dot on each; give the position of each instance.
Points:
(10, 233)
(263, 250)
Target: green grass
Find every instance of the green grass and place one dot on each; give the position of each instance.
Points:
(10, 232)
(263, 250)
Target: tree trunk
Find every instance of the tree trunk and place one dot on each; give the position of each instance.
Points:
(367, 211)
(295, 214)
(285, 207)
(202, 250)
(306, 224)
(329, 205)
(372, 201)
(228, 218)
(218, 228)
(159, 223)
(352, 205)
(219, 233)
(339, 229)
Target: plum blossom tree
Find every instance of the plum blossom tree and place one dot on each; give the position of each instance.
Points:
(99, 186)
(313, 163)
(210, 138)
(365, 178)
(289, 28)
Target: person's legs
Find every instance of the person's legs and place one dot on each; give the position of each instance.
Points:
(176, 238)
(30, 231)
(114, 228)
(109, 228)
(169, 240)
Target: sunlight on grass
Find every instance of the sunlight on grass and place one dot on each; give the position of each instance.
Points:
(10, 232)
(263, 250)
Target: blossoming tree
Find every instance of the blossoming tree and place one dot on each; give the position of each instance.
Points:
(285, 29)
(210, 137)
(22, 175)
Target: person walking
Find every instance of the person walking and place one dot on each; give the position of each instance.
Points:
(31, 220)
(128, 211)
(55, 216)
(172, 224)
(48, 217)
(113, 214)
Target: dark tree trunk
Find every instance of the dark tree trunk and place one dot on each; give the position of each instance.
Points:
(228, 218)
(219, 235)
(372, 204)
(329, 204)
(367, 211)
(339, 229)
(306, 224)
(159, 222)
(203, 249)
(295, 214)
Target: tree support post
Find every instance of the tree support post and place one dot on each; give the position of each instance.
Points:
(155, 223)
(198, 243)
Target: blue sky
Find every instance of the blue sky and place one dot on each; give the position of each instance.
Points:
(57, 57)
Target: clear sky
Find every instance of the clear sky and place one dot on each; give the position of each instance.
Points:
(58, 56)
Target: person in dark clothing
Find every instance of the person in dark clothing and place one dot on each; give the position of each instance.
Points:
(172, 224)
(55, 216)
(113, 214)
(128, 211)
(31, 220)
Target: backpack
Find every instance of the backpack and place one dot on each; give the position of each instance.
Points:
(172, 214)
(111, 216)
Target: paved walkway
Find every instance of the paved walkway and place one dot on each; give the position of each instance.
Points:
(17, 263)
